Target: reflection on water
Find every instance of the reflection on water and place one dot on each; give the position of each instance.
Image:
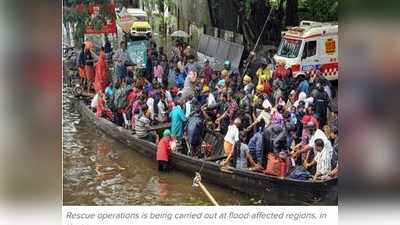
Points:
(100, 171)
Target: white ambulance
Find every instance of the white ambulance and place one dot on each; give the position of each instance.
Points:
(311, 47)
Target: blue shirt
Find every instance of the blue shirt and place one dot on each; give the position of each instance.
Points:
(177, 118)
(109, 91)
(180, 79)
(195, 129)
(256, 145)
(148, 88)
(304, 87)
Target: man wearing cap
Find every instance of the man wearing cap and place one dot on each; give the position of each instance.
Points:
(228, 67)
(211, 103)
(248, 85)
(264, 115)
(163, 150)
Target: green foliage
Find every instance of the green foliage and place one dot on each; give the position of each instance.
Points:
(81, 19)
(318, 10)
(248, 5)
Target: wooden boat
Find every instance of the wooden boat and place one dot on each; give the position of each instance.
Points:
(272, 190)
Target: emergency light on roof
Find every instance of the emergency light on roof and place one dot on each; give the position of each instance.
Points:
(296, 30)
(307, 23)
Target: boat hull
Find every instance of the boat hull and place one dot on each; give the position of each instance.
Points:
(272, 190)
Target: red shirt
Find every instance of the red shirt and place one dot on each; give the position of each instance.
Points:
(310, 118)
(280, 72)
(100, 107)
(163, 149)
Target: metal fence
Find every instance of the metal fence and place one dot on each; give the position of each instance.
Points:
(220, 49)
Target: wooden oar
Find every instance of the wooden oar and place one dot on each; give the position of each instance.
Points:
(197, 183)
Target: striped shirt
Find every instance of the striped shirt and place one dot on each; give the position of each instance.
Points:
(323, 160)
(141, 126)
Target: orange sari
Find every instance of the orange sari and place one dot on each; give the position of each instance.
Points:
(101, 79)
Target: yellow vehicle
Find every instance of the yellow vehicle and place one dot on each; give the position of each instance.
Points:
(141, 26)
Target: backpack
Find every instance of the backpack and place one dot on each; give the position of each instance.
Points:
(275, 166)
(299, 173)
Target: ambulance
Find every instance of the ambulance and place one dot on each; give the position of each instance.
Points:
(309, 48)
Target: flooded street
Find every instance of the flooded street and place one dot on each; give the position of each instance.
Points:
(100, 171)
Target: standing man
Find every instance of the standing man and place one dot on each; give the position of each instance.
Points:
(321, 100)
(231, 137)
(107, 49)
(89, 65)
(163, 150)
(195, 132)
(120, 59)
(177, 117)
(81, 65)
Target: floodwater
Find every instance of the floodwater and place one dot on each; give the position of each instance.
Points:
(100, 171)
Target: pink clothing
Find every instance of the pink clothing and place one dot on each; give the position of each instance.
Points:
(310, 118)
(163, 149)
(158, 71)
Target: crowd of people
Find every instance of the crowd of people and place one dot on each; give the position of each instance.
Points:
(271, 121)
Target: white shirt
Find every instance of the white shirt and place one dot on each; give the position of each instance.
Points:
(232, 135)
(188, 108)
(266, 116)
(161, 110)
(319, 134)
(323, 160)
(150, 105)
(168, 95)
(211, 100)
(93, 103)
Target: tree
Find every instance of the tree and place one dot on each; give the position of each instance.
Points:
(75, 16)
(161, 18)
(253, 13)
(291, 17)
(318, 10)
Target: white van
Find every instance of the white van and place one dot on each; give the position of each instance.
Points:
(310, 47)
